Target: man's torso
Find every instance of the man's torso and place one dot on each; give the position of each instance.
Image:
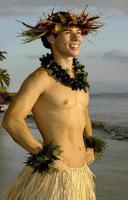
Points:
(60, 115)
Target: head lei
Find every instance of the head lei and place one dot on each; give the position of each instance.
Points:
(54, 22)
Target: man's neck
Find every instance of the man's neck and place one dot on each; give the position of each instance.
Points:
(64, 61)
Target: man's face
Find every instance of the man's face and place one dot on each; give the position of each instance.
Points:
(68, 41)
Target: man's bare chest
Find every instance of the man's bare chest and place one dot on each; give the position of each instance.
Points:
(61, 96)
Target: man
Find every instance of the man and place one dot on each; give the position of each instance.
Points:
(57, 95)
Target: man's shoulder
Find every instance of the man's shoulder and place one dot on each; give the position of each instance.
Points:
(38, 75)
(37, 80)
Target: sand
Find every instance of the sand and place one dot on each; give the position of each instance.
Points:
(112, 172)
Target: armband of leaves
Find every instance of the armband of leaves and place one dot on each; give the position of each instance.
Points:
(44, 160)
(97, 144)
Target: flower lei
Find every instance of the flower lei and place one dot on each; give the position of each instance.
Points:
(79, 82)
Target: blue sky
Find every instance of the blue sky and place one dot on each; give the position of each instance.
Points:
(105, 54)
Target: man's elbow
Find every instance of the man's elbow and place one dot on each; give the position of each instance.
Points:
(12, 121)
(7, 121)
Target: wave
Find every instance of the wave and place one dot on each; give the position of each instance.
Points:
(117, 131)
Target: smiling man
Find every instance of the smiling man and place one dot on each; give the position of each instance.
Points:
(57, 94)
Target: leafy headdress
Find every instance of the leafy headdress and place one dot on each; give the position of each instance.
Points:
(54, 23)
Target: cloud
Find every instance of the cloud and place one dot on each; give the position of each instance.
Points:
(27, 7)
(119, 5)
(93, 55)
(120, 55)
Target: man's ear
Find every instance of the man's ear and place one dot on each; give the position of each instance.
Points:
(50, 39)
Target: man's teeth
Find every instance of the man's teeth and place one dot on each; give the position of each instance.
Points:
(75, 45)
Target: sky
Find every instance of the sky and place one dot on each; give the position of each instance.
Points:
(104, 54)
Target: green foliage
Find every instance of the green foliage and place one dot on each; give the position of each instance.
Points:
(2, 56)
(44, 160)
(96, 143)
(4, 78)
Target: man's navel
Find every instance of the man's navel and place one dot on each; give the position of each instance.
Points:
(79, 148)
(65, 102)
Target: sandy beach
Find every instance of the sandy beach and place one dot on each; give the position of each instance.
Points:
(111, 171)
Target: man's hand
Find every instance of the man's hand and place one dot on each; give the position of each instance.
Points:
(89, 155)
(36, 148)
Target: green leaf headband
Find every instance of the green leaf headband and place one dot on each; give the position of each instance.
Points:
(54, 23)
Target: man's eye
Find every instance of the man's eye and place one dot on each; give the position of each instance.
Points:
(66, 32)
(70, 32)
(79, 33)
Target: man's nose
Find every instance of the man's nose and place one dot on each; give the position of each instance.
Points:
(75, 36)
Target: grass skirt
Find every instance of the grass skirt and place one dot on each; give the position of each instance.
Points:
(66, 184)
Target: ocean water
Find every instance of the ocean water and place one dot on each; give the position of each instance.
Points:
(111, 110)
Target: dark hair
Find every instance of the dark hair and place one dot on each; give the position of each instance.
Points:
(56, 19)
(46, 43)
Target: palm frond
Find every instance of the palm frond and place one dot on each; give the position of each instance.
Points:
(2, 56)
(4, 77)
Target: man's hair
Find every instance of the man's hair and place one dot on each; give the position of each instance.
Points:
(46, 43)
(44, 40)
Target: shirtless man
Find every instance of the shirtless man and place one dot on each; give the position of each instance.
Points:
(60, 113)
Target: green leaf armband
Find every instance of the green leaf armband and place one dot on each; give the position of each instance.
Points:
(44, 160)
(97, 144)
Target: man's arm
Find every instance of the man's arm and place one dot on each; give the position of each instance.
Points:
(88, 126)
(88, 132)
(19, 108)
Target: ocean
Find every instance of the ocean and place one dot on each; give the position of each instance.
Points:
(110, 112)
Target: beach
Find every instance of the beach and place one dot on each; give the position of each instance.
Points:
(111, 171)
